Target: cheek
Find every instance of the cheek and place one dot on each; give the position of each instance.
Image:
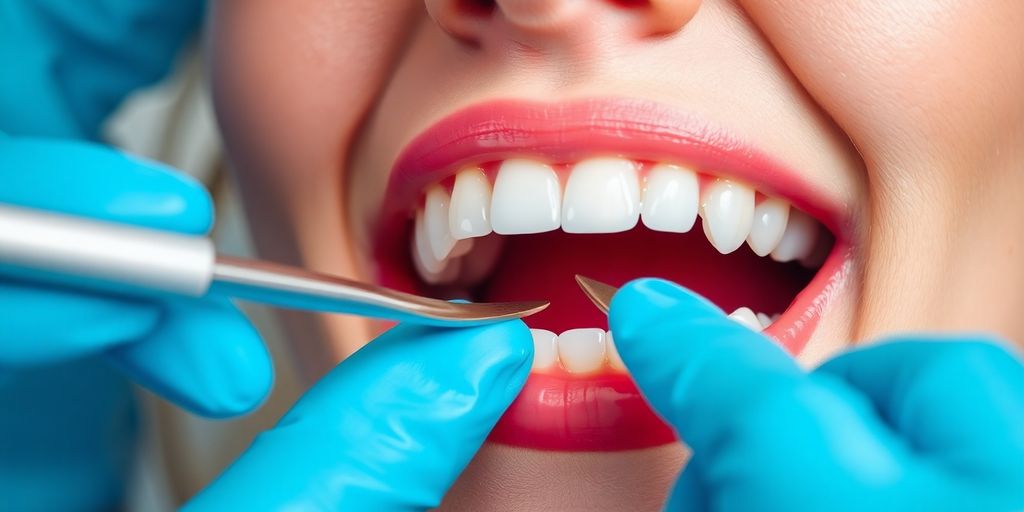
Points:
(286, 128)
(906, 77)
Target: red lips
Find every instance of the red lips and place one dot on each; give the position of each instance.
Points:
(601, 412)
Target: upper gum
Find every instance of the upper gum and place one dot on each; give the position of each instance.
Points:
(563, 169)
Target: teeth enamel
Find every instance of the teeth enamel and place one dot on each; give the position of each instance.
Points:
(581, 350)
(746, 317)
(602, 195)
(798, 240)
(728, 213)
(769, 225)
(456, 236)
(614, 359)
(527, 198)
(764, 319)
(671, 197)
(429, 267)
(435, 216)
(545, 350)
(470, 212)
(422, 252)
(818, 254)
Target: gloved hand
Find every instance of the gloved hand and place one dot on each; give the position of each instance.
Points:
(67, 430)
(913, 424)
(64, 416)
(390, 428)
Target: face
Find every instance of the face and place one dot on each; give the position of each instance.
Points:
(827, 173)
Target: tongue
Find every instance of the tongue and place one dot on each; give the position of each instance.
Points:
(544, 266)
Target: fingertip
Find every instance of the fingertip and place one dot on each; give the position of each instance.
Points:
(248, 379)
(515, 338)
(644, 301)
(163, 195)
(96, 181)
(204, 356)
(514, 357)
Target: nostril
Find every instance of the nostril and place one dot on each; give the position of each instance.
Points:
(462, 19)
(476, 7)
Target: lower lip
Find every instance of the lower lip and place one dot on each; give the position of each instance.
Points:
(562, 412)
(557, 411)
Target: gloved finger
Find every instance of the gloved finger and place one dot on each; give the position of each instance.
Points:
(203, 355)
(958, 400)
(40, 321)
(745, 408)
(390, 428)
(83, 179)
(42, 324)
(697, 368)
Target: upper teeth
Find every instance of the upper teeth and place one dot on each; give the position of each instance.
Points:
(527, 198)
(470, 212)
(603, 195)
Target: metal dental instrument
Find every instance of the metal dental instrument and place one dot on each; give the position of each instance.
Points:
(62, 249)
(599, 293)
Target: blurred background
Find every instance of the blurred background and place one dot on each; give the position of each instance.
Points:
(173, 122)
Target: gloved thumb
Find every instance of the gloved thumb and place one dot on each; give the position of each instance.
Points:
(390, 428)
(695, 366)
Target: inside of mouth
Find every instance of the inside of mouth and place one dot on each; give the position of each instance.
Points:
(543, 266)
(521, 230)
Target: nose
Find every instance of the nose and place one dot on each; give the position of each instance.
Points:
(545, 23)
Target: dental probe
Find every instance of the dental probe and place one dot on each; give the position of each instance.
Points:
(599, 293)
(111, 257)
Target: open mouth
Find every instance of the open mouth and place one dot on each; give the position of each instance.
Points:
(510, 200)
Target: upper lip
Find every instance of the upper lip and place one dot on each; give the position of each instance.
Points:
(569, 131)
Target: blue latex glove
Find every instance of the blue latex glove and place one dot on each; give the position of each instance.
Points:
(68, 64)
(921, 424)
(390, 428)
(67, 430)
(66, 426)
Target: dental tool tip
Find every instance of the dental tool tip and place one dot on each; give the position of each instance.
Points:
(599, 293)
(472, 312)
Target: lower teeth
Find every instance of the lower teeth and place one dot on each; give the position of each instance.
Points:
(589, 350)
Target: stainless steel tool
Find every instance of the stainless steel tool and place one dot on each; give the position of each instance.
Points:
(73, 251)
(599, 293)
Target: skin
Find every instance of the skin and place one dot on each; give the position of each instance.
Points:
(910, 113)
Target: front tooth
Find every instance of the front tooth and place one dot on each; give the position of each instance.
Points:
(527, 198)
(746, 317)
(670, 199)
(769, 225)
(614, 359)
(764, 319)
(798, 240)
(470, 213)
(581, 350)
(545, 349)
(728, 213)
(601, 196)
(435, 215)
